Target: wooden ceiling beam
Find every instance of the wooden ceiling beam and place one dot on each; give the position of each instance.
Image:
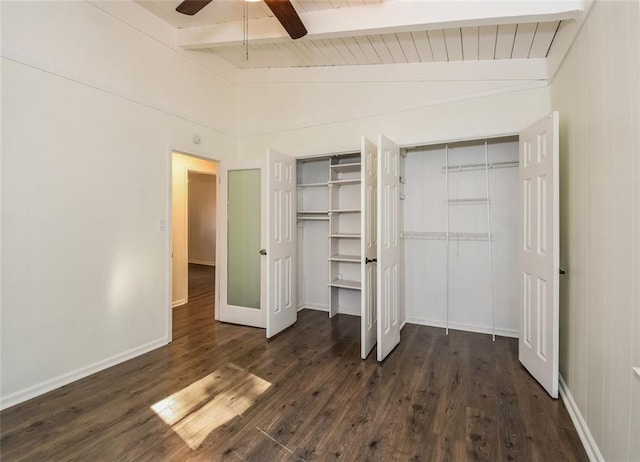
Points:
(384, 18)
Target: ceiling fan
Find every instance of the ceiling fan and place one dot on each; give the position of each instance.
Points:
(283, 10)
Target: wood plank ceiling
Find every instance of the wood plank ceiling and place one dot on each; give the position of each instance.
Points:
(508, 41)
(504, 41)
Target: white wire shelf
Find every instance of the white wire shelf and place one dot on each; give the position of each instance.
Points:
(312, 218)
(345, 284)
(313, 212)
(442, 236)
(344, 211)
(480, 166)
(469, 201)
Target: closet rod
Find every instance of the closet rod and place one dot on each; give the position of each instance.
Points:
(468, 167)
(441, 236)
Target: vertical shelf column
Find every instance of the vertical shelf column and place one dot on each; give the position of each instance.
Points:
(344, 229)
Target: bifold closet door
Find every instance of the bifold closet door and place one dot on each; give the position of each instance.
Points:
(388, 236)
(281, 248)
(539, 251)
(368, 198)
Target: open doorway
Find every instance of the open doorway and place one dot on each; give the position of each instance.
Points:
(194, 189)
(201, 224)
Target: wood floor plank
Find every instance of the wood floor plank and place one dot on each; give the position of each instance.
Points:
(303, 395)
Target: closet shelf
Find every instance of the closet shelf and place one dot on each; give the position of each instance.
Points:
(312, 185)
(345, 182)
(312, 212)
(344, 211)
(469, 167)
(312, 218)
(345, 284)
(346, 235)
(346, 168)
(442, 236)
(346, 258)
(469, 201)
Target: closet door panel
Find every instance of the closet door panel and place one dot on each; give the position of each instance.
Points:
(368, 197)
(388, 235)
(281, 250)
(539, 251)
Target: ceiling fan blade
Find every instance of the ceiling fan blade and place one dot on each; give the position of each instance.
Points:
(191, 7)
(284, 11)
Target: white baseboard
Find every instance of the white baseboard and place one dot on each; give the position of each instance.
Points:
(203, 262)
(180, 302)
(590, 446)
(465, 327)
(64, 379)
(313, 306)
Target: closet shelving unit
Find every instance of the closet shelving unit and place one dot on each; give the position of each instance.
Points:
(483, 200)
(312, 190)
(329, 191)
(344, 227)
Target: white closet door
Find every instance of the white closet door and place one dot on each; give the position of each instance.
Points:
(368, 198)
(539, 251)
(388, 235)
(281, 242)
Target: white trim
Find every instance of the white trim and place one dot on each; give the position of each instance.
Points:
(589, 443)
(203, 262)
(64, 379)
(564, 39)
(177, 303)
(313, 306)
(513, 333)
(524, 69)
(169, 254)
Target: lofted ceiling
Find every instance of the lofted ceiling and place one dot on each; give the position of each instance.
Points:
(365, 32)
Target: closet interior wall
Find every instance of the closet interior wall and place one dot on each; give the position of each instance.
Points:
(482, 283)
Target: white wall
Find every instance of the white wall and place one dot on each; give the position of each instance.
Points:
(425, 261)
(91, 108)
(323, 117)
(202, 219)
(597, 92)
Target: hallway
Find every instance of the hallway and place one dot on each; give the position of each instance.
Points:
(199, 312)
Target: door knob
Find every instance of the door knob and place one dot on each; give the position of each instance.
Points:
(370, 260)
(263, 252)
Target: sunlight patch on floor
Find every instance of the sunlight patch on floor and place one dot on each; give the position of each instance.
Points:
(198, 409)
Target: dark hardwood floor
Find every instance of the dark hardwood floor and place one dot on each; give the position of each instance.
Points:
(199, 312)
(224, 392)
